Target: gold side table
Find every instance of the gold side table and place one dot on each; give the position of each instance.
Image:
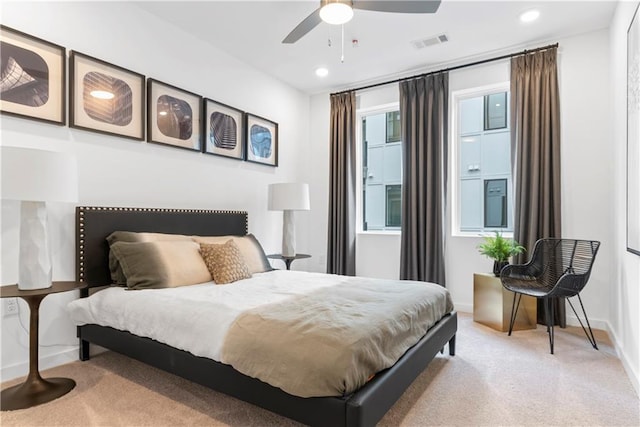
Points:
(35, 390)
(492, 305)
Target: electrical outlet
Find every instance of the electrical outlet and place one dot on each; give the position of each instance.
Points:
(10, 307)
(321, 260)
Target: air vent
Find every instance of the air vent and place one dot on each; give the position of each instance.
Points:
(429, 41)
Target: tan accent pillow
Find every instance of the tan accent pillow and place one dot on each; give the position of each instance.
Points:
(225, 262)
(164, 264)
(117, 275)
(249, 246)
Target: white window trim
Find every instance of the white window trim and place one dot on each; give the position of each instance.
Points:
(455, 97)
(378, 109)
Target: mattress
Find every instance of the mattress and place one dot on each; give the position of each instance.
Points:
(210, 320)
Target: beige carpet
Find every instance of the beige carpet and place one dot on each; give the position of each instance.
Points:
(493, 380)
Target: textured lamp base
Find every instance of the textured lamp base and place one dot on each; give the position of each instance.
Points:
(288, 234)
(35, 391)
(35, 255)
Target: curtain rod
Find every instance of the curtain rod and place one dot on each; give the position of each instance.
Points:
(457, 67)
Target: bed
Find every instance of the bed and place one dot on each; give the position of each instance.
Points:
(362, 407)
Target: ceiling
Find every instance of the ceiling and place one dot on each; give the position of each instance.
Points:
(252, 31)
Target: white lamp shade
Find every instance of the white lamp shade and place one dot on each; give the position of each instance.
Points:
(289, 197)
(38, 175)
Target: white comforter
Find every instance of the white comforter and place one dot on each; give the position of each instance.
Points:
(196, 318)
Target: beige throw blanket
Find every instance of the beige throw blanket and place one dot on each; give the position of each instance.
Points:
(331, 341)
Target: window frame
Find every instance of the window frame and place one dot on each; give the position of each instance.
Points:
(360, 113)
(454, 161)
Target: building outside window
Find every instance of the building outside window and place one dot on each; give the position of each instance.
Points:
(381, 169)
(482, 188)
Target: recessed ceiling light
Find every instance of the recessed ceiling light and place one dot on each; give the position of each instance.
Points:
(530, 16)
(322, 72)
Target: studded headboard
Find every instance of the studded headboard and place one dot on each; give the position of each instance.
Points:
(94, 224)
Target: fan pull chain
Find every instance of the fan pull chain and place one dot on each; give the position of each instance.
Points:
(342, 56)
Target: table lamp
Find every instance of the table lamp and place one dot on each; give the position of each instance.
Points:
(289, 197)
(35, 177)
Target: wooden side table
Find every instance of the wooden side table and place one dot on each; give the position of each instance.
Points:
(35, 390)
(492, 305)
(288, 259)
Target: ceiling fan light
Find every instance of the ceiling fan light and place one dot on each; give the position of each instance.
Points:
(336, 13)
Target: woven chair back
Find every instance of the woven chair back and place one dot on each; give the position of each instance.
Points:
(556, 257)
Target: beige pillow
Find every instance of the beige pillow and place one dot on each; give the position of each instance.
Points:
(117, 275)
(249, 246)
(225, 262)
(164, 264)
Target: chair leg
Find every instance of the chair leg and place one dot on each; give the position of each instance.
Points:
(550, 320)
(590, 336)
(514, 312)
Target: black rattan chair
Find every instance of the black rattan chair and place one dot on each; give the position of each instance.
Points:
(557, 268)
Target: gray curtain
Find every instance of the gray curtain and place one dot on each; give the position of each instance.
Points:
(341, 243)
(535, 153)
(424, 123)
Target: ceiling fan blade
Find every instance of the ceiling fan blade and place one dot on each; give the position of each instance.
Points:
(400, 6)
(308, 24)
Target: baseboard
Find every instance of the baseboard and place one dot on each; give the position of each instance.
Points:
(464, 308)
(634, 377)
(595, 323)
(18, 370)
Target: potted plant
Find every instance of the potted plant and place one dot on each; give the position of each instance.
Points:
(499, 249)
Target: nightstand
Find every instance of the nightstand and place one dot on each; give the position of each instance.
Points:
(288, 259)
(35, 390)
(492, 305)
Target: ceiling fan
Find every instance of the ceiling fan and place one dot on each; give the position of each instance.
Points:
(341, 11)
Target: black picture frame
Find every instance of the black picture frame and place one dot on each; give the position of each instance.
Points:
(223, 130)
(174, 116)
(105, 98)
(633, 135)
(39, 69)
(257, 149)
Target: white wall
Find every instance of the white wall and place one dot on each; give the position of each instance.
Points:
(587, 170)
(586, 159)
(120, 172)
(317, 175)
(624, 281)
(461, 255)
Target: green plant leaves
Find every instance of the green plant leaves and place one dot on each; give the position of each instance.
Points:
(499, 248)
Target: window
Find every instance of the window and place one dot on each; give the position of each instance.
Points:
(482, 188)
(393, 206)
(381, 169)
(495, 111)
(495, 203)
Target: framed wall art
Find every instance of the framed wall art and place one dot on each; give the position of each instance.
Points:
(261, 140)
(223, 130)
(173, 116)
(33, 77)
(633, 135)
(105, 98)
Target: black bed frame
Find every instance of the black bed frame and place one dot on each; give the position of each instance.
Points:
(365, 407)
